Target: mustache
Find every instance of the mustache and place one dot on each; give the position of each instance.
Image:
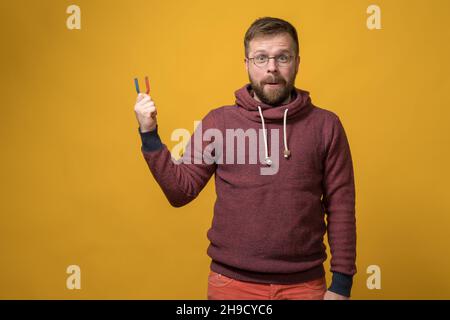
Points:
(273, 80)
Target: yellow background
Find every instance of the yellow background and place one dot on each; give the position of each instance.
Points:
(75, 188)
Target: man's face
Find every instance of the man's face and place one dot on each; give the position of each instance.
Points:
(272, 84)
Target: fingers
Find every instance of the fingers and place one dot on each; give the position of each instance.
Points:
(139, 97)
(145, 105)
(144, 101)
(148, 104)
(142, 96)
(150, 111)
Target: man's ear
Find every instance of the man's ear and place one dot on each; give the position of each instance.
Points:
(246, 64)
(297, 64)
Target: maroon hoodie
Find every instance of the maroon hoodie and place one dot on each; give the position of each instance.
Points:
(269, 228)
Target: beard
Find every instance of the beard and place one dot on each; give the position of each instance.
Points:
(275, 95)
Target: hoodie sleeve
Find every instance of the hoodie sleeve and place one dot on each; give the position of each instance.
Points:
(180, 180)
(339, 205)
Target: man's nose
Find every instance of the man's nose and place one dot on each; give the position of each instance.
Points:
(272, 65)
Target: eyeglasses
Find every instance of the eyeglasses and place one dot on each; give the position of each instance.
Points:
(261, 60)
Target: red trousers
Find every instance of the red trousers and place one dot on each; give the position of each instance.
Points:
(221, 287)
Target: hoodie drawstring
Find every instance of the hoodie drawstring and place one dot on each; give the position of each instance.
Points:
(286, 152)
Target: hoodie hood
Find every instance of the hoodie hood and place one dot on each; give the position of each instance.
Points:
(260, 112)
(300, 104)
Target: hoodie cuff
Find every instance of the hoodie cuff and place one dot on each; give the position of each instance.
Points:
(341, 284)
(150, 140)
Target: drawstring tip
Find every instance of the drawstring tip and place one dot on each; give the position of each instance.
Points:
(287, 153)
(268, 161)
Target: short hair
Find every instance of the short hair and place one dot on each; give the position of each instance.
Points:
(270, 26)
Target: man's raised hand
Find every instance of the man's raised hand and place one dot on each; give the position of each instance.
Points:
(145, 110)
